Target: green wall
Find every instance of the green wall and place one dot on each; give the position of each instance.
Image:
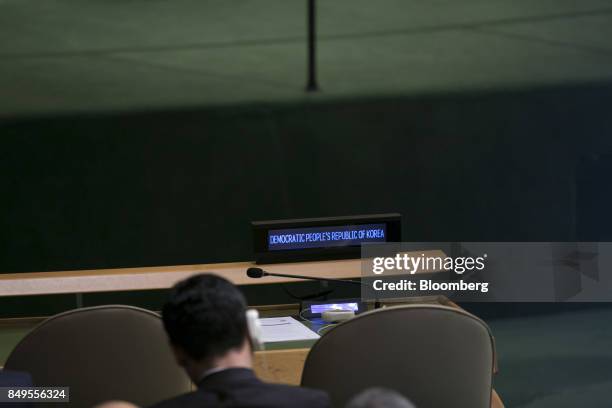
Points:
(180, 187)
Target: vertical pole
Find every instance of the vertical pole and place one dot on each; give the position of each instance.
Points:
(312, 85)
(79, 300)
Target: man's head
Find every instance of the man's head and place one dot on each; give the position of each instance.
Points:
(379, 398)
(206, 324)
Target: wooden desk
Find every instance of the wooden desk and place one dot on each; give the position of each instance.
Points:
(163, 277)
(281, 366)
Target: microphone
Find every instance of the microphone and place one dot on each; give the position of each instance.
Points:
(257, 273)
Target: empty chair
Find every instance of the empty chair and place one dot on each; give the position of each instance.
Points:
(102, 353)
(437, 356)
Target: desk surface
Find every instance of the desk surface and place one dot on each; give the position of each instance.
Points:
(163, 277)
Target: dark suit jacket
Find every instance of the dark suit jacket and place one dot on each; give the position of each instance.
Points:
(239, 388)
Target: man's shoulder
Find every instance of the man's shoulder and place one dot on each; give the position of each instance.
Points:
(190, 399)
(262, 395)
(288, 395)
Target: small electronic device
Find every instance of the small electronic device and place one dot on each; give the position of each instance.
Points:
(329, 238)
(337, 316)
(315, 309)
(254, 328)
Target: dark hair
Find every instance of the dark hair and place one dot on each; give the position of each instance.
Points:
(205, 316)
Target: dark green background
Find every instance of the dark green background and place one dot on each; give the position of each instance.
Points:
(180, 187)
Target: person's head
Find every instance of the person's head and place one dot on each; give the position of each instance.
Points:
(116, 404)
(379, 398)
(206, 324)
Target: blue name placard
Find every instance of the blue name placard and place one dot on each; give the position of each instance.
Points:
(324, 237)
(309, 239)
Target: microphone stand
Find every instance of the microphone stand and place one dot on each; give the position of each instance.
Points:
(284, 275)
(263, 273)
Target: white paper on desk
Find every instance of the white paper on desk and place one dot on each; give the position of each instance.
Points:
(276, 329)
